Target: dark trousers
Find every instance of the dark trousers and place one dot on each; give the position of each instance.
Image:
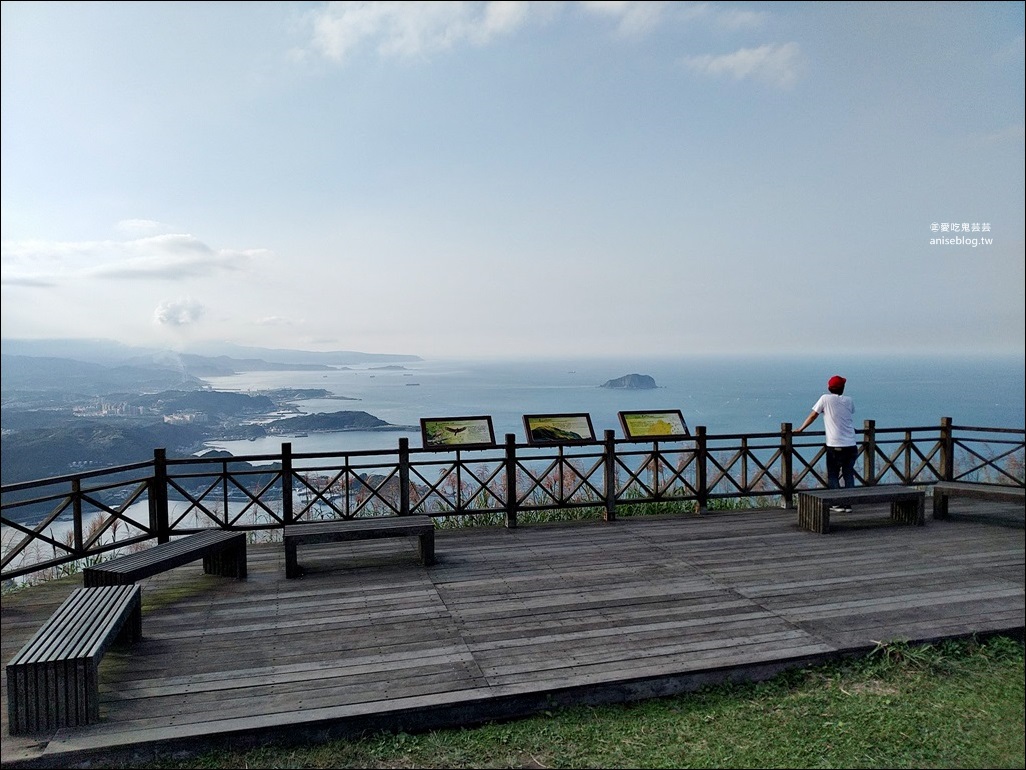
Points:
(840, 461)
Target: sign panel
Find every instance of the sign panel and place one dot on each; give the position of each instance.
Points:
(558, 428)
(666, 424)
(457, 432)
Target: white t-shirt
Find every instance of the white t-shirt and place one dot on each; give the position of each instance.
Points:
(838, 413)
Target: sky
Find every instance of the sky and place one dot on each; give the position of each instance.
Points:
(516, 178)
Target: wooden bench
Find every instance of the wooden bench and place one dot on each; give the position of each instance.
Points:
(340, 530)
(944, 490)
(908, 504)
(223, 553)
(52, 682)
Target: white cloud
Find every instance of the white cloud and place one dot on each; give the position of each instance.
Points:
(735, 19)
(778, 65)
(407, 30)
(177, 313)
(169, 257)
(638, 17)
(411, 29)
(633, 18)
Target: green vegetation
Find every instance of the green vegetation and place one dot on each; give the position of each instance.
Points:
(955, 704)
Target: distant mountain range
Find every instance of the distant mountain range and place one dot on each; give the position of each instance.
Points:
(97, 367)
(110, 352)
(69, 405)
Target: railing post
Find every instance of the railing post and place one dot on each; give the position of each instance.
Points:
(701, 468)
(947, 442)
(161, 524)
(744, 464)
(224, 495)
(404, 476)
(458, 491)
(869, 453)
(609, 475)
(907, 473)
(288, 511)
(511, 480)
(76, 508)
(787, 463)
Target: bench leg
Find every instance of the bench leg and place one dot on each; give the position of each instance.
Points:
(813, 514)
(940, 505)
(230, 562)
(99, 578)
(292, 569)
(909, 511)
(131, 631)
(426, 548)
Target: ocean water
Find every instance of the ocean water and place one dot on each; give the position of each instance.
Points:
(726, 395)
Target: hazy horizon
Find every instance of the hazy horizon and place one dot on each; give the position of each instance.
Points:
(96, 349)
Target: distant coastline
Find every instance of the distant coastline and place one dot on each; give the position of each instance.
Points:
(58, 412)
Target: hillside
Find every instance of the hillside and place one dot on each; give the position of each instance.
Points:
(104, 404)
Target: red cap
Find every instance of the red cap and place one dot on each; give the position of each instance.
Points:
(837, 381)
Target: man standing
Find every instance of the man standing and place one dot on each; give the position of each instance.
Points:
(838, 411)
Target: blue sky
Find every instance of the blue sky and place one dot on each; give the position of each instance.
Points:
(551, 179)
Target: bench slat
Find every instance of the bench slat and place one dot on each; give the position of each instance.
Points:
(223, 553)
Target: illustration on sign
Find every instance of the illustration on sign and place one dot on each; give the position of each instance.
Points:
(458, 432)
(558, 428)
(663, 424)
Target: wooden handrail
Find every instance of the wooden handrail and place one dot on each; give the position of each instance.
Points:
(498, 482)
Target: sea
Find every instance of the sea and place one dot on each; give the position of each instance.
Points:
(726, 395)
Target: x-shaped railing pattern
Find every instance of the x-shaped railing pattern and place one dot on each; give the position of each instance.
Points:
(655, 476)
(459, 489)
(907, 463)
(559, 482)
(111, 509)
(764, 480)
(203, 504)
(970, 463)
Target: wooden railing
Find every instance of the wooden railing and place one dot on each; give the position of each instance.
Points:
(56, 525)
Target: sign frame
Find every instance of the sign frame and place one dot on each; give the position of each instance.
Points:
(648, 424)
(474, 432)
(544, 429)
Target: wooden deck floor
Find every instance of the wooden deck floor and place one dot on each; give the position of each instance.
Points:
(511, 622)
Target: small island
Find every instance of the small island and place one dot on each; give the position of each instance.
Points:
(631, 382)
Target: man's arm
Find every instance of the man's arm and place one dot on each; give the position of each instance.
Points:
(808, 421)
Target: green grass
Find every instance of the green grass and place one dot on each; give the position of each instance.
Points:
(955, 704)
